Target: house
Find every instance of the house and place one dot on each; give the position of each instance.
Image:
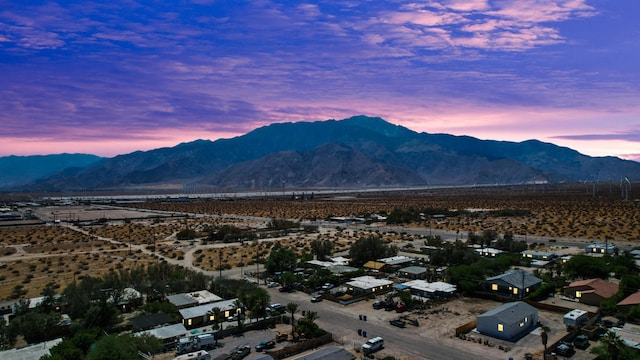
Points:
(510, 321)
(629, 334)
(194, 298)
(169, 334)
(35, 351)
(413, 272)
(202, 315)
(514, 283)
(591, 291)
(396, 262)
(368, 285)
(375, 266)
(434, 290)
(488, 252)
(150, 321)
(630, 301)
(129, 299)
(600, 248)
(538, 255)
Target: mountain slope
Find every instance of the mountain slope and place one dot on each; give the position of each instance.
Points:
(19, 170)
(359, 151)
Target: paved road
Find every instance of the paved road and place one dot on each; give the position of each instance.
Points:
(343, 322)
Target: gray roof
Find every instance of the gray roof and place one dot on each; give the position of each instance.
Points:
(199, 311)
(181, 300)
(329, 353)
(414, 270)
(31, 352)
(511, 312)
(166, 332)
(517, 278)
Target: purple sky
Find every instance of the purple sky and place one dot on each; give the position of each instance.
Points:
(95, 77)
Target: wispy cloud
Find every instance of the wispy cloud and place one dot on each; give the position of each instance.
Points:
(631, 135)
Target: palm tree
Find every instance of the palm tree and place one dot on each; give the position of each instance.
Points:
(217, 313)
(292, 308)
(239, 306)
(544, 337)
(613, 344)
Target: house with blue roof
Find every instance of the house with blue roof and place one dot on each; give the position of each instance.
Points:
(510, 321)
(515, 283)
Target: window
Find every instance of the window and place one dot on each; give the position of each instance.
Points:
(515, 291)
(189, 322)
(500, 327)
(494, 287)
(521, 323)
(578, 294)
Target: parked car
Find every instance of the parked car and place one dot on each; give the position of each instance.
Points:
(378, 304)
(273, 284)
(241, 352)
(276, 309)
(286, 289)
(373, 345)
(316, 298)
(327, 286)
(565, 349)
(264, 345)
(235, 317)
(390, 305)
(401, 308)
(581, 342)
(398, 322)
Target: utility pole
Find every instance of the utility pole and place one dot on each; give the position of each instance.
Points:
(220, 264)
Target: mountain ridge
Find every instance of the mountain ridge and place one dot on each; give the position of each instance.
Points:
(359, 151)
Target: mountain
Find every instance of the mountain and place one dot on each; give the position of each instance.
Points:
(19, 170)
(359, 151)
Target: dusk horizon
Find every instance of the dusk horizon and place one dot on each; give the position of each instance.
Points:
(111, 79)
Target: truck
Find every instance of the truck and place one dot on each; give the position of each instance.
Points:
(193, 343)
(198, 355)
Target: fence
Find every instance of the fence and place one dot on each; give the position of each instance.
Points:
(301, 347)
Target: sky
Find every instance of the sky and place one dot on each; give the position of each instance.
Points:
(113, 77)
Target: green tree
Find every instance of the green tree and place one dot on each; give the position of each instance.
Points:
(34, 325)
(114, 347)
(321, 249)
(370, 248)
(186, 234)
(257, 301)
(49, 300)
(292, 308)
(611, 347)
(307, 326)
(281, 258)
(586, 267)
(6, 339)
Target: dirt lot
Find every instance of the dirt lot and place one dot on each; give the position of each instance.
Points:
(440, 322)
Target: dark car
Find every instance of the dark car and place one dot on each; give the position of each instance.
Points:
(241, 352)
(581, 342)
(390, 305)
(265, 345)
(565, 349)
(398, 322)
(378, 304)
